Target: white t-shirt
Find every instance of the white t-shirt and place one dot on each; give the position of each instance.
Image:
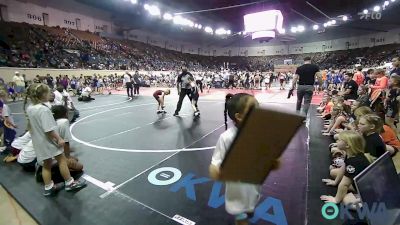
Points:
(42, 121)
(19, 80)
(86, 91)
(127, 78)
(239, 197)
(59, 98)
(63, 129)
(19, 142)
(7, 113)
(27, 153)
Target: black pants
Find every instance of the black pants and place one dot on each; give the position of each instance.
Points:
(29, 167)
(182, 95)
(136, 89)
(231, 83)
(200, 84)
(306, 92)
(129, 89)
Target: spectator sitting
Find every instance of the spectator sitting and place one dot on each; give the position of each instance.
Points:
(85, 95)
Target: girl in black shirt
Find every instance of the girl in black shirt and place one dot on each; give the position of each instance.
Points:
(370, 127)
(353, 145)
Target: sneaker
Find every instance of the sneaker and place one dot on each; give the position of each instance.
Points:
(76, 185)
(159, 111)
(2, 149)
(163, 111)
(54, 190)
(176, 114)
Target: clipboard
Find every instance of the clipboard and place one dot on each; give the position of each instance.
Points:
(261, 140)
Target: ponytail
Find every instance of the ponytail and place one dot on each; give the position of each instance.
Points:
(227, 97)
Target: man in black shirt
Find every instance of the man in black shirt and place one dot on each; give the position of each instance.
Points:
(350, 87)
(305, 75)
(184, 88)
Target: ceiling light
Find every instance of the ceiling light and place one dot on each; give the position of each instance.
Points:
(146, 6)
(325, 24)
(333, 21)
(392, 0)
(167, 16)
(386, 3)
(345, 18)
(377, 8)
(199, 26)
(220, 31)
(228, 32)
(315, 27)
(365, 11)
(133, 1)
(178, 20)
(329, 23)
(293, 29)
(300, 28)
(154, 11)
(208, 30)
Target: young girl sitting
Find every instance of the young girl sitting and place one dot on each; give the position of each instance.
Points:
(339, 117)
(355, 162)
(8, 121)
(370, 126)
(46, 141)
(240, 198)
(159, 96)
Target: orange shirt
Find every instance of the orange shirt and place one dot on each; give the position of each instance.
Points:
(380, 83)
(323, 75)
(328, 107)
(389, 137)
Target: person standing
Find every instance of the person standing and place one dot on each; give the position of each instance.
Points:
(49, 81)
(184, 88)
(199, 81)
(19, 85)
(305, 75)
(127, 80)
(359, 76)
(350, 87)
(136, 83)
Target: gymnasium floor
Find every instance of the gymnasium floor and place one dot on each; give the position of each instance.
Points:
(145, 169)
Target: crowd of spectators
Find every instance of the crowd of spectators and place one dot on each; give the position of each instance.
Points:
(33, 46)
(360, 113)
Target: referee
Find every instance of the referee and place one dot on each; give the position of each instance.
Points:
(305, 75)
(184, 88)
